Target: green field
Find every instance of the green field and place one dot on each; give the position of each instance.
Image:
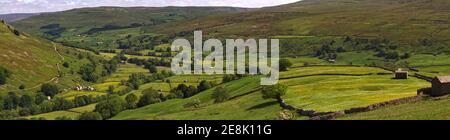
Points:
(246, 105)
(334, 93)
(35, 61)
(54, 115)
(315, 70)
(428, 109)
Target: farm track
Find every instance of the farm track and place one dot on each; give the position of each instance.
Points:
(52, 79)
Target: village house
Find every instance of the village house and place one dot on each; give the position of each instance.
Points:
(81, 88)
(440, 86)
(400, 74)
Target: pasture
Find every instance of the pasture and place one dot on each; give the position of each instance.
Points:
(429, 109)
(334, 93)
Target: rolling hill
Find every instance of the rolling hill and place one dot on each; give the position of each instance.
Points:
(101, 27)
(412, 25)
(33, 61)
(16, 17)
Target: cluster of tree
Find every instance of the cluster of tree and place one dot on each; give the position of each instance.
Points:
(110, 27)
(220, 94)
(133, 51)
(15, 105)
(110, 107)
(326, 51)
(184, 91)
(137, 79)
(4, 74)
(142, 41)
(150, 61)
(392, 55)
(274, 91)
(96, 69)
(150, 96)
(284, 64)
(228, 78)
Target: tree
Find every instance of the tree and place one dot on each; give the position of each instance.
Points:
(4, 74)
(131, 100)
(39, 98)
(63, 104)
(88, 73)
(111, 89)
(21, 87)
(274, 91)
(91, 116)
(11, 101)
(26, 101)
(49, 89)
(136, 79)
(81, 100)
(204, 85)
(220, 94)
(285, 64)
(190, 91)
(47, 106)
(16, 32)
(66, 64)
(24, 111)
(35, 110)
(110, 107)
(149, 96)
(152, 68)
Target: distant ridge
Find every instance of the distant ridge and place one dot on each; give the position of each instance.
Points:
(17, 16)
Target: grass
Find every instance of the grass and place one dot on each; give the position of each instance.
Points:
(424, 110)
(334, 93)
(124, 71)
(247, 105)
(304, 71)
(72, 94)
(54, 115)
(34, 61)
(87, 108)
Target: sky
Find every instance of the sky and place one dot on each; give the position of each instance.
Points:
(36, 6)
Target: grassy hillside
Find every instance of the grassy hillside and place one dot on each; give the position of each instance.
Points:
(16, 17)
(402, 20)
(245, 104)
(87, 27)
(429, 109)
(34, 61)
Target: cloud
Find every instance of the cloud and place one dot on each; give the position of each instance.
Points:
(34, 6)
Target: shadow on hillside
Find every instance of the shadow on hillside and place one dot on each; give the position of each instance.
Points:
(263, 105)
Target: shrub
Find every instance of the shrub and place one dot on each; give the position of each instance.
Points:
(131, 101)
(274, 91)
(4, 74)
(49, 89)
(21, 87)
(150, 96)
(91, 116)
(220, 94)
(110, 107)
(285, 64)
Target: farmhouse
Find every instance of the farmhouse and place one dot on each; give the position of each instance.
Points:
(400, 74)
(440, 86)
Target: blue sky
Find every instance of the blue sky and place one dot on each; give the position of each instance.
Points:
(33, 6)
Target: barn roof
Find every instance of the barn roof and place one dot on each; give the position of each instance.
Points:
(400, 71)
(443, 79)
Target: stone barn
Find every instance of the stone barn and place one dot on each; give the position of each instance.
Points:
(400, 74)
(440, 86)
